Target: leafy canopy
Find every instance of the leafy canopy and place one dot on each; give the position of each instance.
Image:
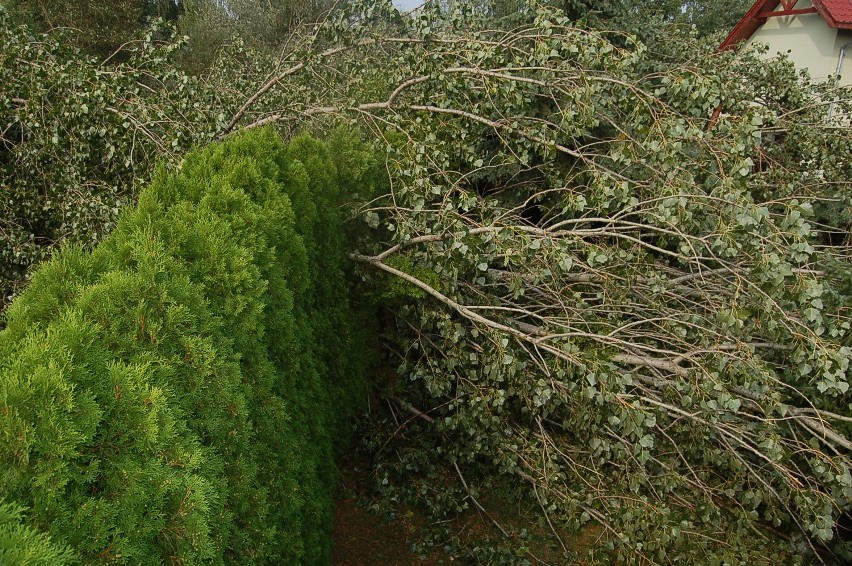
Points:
(79, 138)
(636, 310)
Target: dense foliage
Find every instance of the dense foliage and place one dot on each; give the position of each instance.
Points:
(175, 395)
(638, 16)
(266, 25)
(616, 276)
(97, 27)
(634, 281)
(21, 544)
(77, 138)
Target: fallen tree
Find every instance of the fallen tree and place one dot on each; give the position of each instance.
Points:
(621, 303)
(79, 137)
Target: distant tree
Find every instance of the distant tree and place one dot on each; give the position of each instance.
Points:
(651, 21)
(99, 26)
(713, 16)
(708, 16)
(260, 24)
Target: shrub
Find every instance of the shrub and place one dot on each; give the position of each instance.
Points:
(20, 544)
(170, 396)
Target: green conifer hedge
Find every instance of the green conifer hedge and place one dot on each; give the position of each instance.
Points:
(174, 395)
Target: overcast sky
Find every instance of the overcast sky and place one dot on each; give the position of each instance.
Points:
(406, 5)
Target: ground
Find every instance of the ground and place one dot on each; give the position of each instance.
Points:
(361, 538)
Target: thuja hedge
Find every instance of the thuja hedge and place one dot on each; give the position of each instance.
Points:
(174, 395)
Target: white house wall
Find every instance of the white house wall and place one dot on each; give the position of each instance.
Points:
(808, 42)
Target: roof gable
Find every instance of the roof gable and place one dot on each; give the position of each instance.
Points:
(835, 13)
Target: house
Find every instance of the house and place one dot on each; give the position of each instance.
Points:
(815, 34)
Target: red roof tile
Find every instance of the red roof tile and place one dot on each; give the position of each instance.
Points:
(837, 13)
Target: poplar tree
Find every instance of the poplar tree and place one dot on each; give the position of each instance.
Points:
(621, 282)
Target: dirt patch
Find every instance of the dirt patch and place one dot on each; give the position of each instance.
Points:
(362, 539)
